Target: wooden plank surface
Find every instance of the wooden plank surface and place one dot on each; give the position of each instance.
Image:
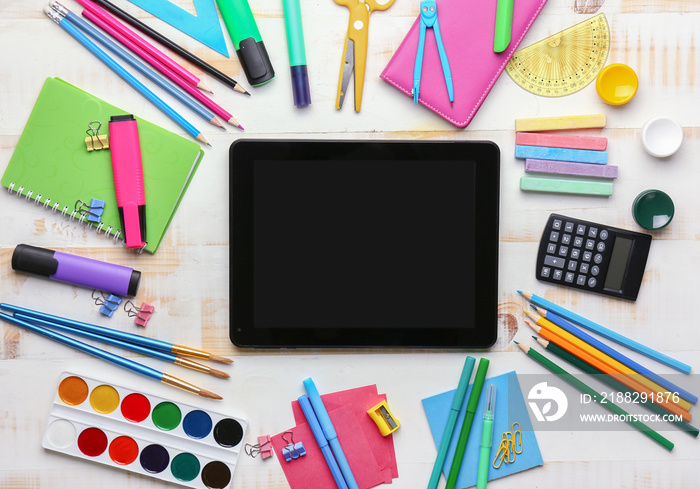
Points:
(187, 280)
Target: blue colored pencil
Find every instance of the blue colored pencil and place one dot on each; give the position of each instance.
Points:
(640, 369)
(141, 67)
(607, 333)
(128, 77)
(111, 357)
(562, 154)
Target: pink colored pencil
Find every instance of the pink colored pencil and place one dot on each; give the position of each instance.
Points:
(561, 141)
(216, 108)
(109, 19)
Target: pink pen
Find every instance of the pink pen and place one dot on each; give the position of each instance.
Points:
(112, 21)
(128, 178)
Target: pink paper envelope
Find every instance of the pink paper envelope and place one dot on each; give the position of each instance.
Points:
(467, 34)
(361, 399)
(311, 471)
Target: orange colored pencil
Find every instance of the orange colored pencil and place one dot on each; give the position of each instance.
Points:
(625, 379)
(607, 359)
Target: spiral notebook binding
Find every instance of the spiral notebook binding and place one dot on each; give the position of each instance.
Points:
(65, 211)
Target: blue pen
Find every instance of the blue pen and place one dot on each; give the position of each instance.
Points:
(141, 67)
(119, 70)
(329, 432)
(428, 18)
(321, 440)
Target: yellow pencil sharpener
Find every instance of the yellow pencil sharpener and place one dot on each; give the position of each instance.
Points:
(386, 422)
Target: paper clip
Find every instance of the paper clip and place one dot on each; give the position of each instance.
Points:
(96, 141)
(263, 448)
(509, 446)
(517, 434)
(92, 212)
(292, 450)
(141, 314)
(108, 303)
(386, 422)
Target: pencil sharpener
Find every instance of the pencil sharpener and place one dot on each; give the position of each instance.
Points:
(386, 422)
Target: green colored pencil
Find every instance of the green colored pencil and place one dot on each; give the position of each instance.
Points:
(595, 395)
(615, 384)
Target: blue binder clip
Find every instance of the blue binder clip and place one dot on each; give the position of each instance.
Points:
(107, 304)
(92, 212)
(292, 450)
(428, 18)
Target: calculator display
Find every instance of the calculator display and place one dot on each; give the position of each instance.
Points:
(592, 256)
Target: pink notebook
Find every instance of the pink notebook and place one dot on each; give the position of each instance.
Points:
(467, 34)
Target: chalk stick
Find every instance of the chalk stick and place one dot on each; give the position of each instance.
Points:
(560, 123)
(561, 186)
(562, 154)
(561, 141)
(570, 168)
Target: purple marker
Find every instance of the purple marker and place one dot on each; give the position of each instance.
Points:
(76, 270)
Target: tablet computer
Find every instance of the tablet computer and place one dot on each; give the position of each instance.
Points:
(363, 243)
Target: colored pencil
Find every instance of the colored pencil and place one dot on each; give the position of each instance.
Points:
(479, 378)
(606, 379)
(457, 402)
(670, 386)
(128, 77)
(155, 35)
(617, 366)
(607, 333)
(141, 67)
(155, 52)
(597, 397)
(120, 335)
(625, 379)
(112, 358)
(161, 355)
(218, 110)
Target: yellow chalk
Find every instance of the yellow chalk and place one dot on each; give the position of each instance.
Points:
(560, 123)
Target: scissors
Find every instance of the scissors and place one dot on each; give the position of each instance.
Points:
(355, 50)
(428, 18)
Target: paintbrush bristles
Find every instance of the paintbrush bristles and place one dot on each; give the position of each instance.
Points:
(219, 373)
(219, 358)
(209, 394)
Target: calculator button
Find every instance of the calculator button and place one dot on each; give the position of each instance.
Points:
(581, 280)
(600, 246)
(598, 258)
(557, 275)
(553, 261)
(592, 232)
(572, 265)
(554, 236)
(578, 241)
(575, 253)
(581, 229)
(551, 248)
(595, 270)
(584, 268)
(569, 278)
(566, 239)
(603, 235)
(587, 255)
(556, 224)
(569, 227)
(590, 244)
(545, 272)
(592, 282)
(563, 250)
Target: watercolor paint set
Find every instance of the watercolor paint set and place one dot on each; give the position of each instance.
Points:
(143, 433)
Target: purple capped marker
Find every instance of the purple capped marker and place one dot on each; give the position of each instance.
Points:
(94, 274)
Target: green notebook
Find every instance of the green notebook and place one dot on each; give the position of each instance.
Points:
(53, 169)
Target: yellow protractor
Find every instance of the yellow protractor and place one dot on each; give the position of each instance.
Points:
(565, 62)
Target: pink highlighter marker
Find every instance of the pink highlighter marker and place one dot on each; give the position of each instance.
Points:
(128, 178)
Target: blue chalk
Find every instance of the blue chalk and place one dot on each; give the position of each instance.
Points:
(562, 154)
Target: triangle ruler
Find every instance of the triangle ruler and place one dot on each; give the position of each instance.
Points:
(565, 62)
(204, 27)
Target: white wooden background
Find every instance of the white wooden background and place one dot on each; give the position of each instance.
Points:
(186, 280)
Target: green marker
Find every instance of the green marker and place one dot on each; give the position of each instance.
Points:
(297, 54)
(482, 474)
(504, 25)
(247, 41)
(467, 424)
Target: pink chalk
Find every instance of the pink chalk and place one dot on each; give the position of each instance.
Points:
(561, 141)
(570, 168)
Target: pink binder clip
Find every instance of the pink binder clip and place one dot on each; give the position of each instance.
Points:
(265, 446)
(141, 314)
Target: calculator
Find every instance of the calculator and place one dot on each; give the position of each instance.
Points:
(591, 256)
